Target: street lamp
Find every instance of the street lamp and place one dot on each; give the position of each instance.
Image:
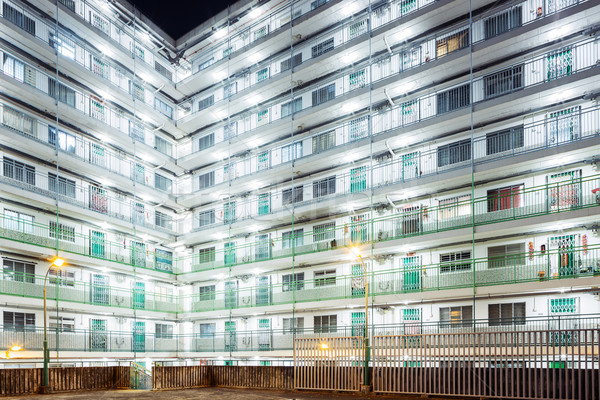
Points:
(355, 251)
(16, 347)
(45, 388)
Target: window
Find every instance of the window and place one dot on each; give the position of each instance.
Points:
(503, 82)
(324, 231)
(65, 187)
(452, 42)
(505, 140)
(206, 180)
(563, 126)
(291, 62)
(206, 255)
(66, 141)
(62, 324)
(163, 260)
(455, 207)
(97, 111)
(506, 314)
(19, 171)
(18, 18)
(98, 201)
(97, 244)
(293, 325)
(262, 117)
(357, 79)
(509, 255)
(206, 141)
(162, 183)
(70, 4)
(456, 316)
(17, 321)
(264, 203)
(100, 23)
(229, 90)
(503, 22)
(459, 261)
(18, 121)
(261, 32)
(324, 187)
(163, 331)
(293, 282)
(325, 278)
(163, 107)
(163, 220)
(292, 239)
(322, 48)
(563, 306)
(323, 142)
(17, 221)
(207, 330)
(64, 94)
(565, 189)
(206, 218)
(164, 71)
(229, 214)
(325, 323)
(139, 51)
(137, 91)
(64, 232)
(100, 67)
(359, 128)
(14, 68)
(61, 277)
(206, 293)
(291, 107)
(227, 52)
(323, 94)
(62, 45)
(291, 152)
(230, 130)
(262, 74)
(263, 161)
(357, 320)
(317, 3)
(453, 99)
(358, 228)
(454, 153)
(229, 253)
(207, 102)
(206, 64)
(292, 195)
(357, 29)
(18, 271)
(504, 198)
(358, 179)
(163, 145)
(559, 63)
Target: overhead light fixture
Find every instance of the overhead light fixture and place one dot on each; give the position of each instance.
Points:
(254, 13)
(221, 33)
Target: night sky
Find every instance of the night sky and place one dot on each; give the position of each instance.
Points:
(178, 17)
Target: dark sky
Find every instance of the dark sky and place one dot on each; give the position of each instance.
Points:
(178, 17)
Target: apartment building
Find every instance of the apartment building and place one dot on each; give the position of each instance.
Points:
(206, 191)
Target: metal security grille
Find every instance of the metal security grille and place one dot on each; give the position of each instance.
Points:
(328, 363)
(521, 364)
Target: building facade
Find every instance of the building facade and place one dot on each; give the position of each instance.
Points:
(206, 191)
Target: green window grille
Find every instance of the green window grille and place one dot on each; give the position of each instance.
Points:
(98, 336)
(263, 161)
(262, 75)
(563, 306)
(98, 155)
(265, 363)
(264, 204)
(138, 254)
(139, 336)
(99, 67)
(227, 52)
(407, 6)
(559, 64)
(357, 29)
(230, 336)
(358, 179)
(563, 126)
(261, 32)
(358, 231)
(411, 314)
(358, 280)
(140, 52)
(97, 110)
(264, 334)
(564, 260)
(229, 256)
(229, 213)
(412, 273)
(262, 117)
(139, 295)
(410, 165)
(357, 79)
(97, 244)
(358, 323)
(137, 91)
(100, 291)
(139, 173)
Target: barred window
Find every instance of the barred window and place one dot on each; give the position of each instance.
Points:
(206, 180)
(323, 142)
(206, 141)
(324, 187)
(322, 48)
(459, 261)
(207, 102)
(324, 232)
(293, 195)
(206, 218)
(323, 94)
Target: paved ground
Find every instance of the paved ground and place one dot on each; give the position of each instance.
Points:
(206, 394)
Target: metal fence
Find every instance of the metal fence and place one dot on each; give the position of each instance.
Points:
(329, 363)
(548, 364)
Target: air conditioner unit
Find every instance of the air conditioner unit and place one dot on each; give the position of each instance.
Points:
(246, 300)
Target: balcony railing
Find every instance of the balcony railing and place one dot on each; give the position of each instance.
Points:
(74, 49)
(264, 340)
(384, 67)
(93, 153)
(563, 128)
(413, 221)
(533, 72)
(534, 266)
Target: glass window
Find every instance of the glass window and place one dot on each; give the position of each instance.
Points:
(459, 261)
(293, 282)
(325, 323)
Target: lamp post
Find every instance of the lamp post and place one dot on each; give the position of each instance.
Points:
(366, 380)
(45, 388)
